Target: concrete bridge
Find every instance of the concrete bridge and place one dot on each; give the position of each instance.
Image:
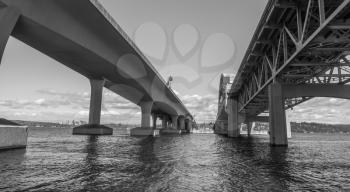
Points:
(81, 35)
(299, 50)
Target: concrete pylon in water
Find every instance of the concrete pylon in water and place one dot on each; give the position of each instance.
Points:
(288, 121)
(94, 127)
(233, 128)
(174, 126)
(146, 129)
(278, 129)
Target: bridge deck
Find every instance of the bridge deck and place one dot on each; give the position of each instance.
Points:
(81, 35)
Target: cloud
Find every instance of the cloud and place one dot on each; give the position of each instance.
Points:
(40, 101)
(204, 108)
(322, 110)
(27, 104)
(61, 106)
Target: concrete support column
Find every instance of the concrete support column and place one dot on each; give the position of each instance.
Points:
(146, 128)
(8, 19)
(96, 101)
(94, 127)
(174, 121)
(189, 125)
(233, 128)
(170, 125)
(278, 130)
(289, 129)
(163, 122)
(182, 123)
(249, 128)
(154, 118)
(146, 108)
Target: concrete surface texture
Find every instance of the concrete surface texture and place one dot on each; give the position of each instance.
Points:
(13, 137)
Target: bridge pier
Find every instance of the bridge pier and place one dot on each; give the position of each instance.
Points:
(96, 101)
(289, 129)
(182, 123)
(249, 128)
(221, 127)
(174, 121)
(189, 125)
(94, 127)
(146, 129)
(164, 122)
(278, 129)
(233, 128)
(146, 108)
(174, 126)
(154, 118)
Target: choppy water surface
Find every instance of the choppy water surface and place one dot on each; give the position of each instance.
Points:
(55, 160)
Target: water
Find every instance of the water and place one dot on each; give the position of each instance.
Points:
(55, 160)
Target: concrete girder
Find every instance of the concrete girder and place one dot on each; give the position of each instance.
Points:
(8, 19)
(166, 108)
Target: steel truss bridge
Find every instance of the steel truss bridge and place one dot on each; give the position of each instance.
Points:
(300, 50)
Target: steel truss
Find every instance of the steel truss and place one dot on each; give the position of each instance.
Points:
(296, 42)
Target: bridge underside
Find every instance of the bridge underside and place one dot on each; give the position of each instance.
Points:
(299, 50)
(91, 43)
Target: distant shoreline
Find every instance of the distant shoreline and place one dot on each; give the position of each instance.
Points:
(48, 125)
(310, 127)
(302, 127)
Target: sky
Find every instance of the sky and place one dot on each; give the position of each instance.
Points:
(194, 41)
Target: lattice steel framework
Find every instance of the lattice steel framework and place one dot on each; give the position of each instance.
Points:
(296, 42)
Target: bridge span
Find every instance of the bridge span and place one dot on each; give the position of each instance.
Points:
(300, 50)
(81, 35)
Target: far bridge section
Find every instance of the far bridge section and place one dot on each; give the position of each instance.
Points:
(299, 50)
(81, 35)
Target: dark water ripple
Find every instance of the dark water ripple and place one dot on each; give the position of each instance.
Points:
(55, 160)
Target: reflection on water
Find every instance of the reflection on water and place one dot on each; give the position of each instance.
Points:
(90, 169)
(55, 160)
(17, 156)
